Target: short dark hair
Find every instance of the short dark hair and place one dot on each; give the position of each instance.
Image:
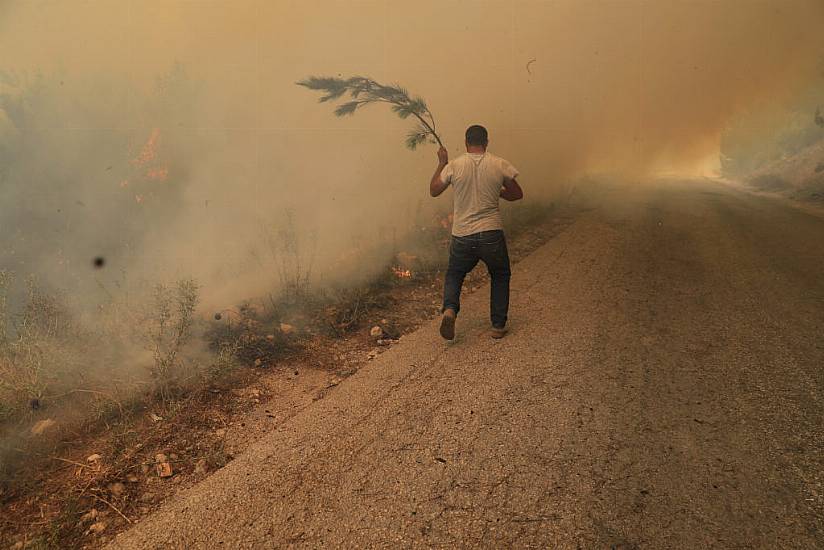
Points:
(477, 135)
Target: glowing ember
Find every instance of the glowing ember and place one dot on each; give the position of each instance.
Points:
(158, 174)
(149, 151)
(446, 222)
(401, 273)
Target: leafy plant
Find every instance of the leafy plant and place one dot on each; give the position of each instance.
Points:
(365, 91)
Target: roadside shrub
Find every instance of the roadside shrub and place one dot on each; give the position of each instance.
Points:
(169, 329)
(51, 356)
(38, 351)
(293, 256)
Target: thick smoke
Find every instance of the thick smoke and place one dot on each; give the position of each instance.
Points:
(169, 137)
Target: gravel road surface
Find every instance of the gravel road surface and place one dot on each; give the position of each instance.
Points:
(661, 387)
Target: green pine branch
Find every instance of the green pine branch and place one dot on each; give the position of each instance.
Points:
(365, 91)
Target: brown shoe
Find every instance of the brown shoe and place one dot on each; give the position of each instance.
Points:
(498, 333)
(448, 324)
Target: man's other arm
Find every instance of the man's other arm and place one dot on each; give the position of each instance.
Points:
(511, 191)
(436, 185)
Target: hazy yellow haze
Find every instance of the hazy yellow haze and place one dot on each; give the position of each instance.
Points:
(564, 86)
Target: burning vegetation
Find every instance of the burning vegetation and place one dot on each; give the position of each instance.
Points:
(98, 473)
(237, 232)
(401, 273)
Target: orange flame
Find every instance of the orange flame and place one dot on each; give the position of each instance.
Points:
(149, 151)
(158, 174)
(446, 222)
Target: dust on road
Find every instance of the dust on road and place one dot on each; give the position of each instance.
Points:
(660, 388)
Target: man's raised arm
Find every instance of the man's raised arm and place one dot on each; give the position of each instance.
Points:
(436, 186)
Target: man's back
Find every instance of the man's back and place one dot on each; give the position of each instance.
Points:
(477, 179)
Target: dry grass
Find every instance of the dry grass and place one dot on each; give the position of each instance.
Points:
(293, 254)
(56, 364)
(38, 352)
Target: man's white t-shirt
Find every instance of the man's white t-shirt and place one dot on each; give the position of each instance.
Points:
(477, 179)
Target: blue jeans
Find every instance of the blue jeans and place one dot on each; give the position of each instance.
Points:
(464, 253)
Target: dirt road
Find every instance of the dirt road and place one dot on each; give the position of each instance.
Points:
(661, 387)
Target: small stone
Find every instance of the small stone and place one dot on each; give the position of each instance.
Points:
(258, 362)
(97, 528)
(93, 458)
(164, 469)
(89, 516)
(131, 478)
(376, 332)
(116, 488)
(42, 426)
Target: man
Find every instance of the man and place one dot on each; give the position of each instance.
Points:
(479, 179)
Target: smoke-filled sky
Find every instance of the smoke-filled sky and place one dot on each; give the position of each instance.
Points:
(170, 134)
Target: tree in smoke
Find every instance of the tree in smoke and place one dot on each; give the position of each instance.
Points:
(364, 91)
